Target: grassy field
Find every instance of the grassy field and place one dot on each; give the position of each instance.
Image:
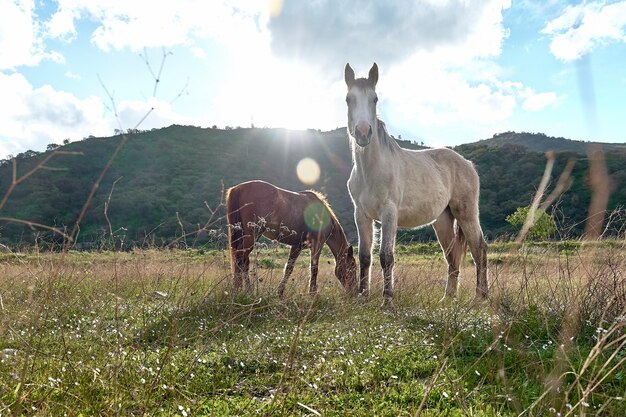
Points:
(157, 333)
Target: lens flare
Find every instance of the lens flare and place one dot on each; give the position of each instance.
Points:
(316, 216)
(308, 171)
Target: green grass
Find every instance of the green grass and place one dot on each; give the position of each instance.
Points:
(157, 333)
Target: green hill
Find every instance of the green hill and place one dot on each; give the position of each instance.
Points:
(171, 180)
(539, 142)
(510, 175)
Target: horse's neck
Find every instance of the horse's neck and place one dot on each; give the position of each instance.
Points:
(370, 158)
(337, 241)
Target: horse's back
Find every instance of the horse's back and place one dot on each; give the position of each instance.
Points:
(252, 187)
(463, 181)
(462, 172)
(428, 181)
(250, 199)
(452, 163)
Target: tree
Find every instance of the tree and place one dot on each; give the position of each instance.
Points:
(28, 154)
(543, 228)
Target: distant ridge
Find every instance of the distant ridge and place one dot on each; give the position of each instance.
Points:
(540, 142)
(169, 180)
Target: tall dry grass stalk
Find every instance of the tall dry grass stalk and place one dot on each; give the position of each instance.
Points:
(600, 184)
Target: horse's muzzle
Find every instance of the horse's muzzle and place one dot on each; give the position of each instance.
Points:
(363, 133)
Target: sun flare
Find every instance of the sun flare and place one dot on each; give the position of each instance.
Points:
(308, 171)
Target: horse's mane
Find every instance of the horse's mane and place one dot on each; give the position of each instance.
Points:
(322, 198)
(227, 194)
(385, 138)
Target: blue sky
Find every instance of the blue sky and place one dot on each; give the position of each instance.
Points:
(451, 71)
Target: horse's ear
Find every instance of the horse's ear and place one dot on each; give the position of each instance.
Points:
(349, 75)
(373, 75)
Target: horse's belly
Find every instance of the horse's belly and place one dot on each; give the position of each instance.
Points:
(416, 215)
(409, 222)
(410, 215)
(282, 234)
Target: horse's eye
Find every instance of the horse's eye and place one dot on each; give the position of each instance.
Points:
(375, 99)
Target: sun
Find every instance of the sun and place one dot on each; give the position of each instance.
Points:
(292, 96)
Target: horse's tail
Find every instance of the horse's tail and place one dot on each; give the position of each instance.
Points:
(459, 247)
(235, 224)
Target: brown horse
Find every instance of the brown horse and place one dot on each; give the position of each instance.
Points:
(298, 219)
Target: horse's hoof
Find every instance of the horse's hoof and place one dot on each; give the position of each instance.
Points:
(448, 298)
(388, 305)
(479, 300)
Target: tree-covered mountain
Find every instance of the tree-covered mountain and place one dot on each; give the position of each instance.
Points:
(539, 142)
(168, 181)
(510, 175)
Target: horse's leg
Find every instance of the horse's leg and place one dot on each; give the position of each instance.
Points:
(242, 267)
(239, 255)
(316, 250)
(478, 248)
(365, 229)
(238, 273)
(389, 226)
(452, 248)
(470, 226)
(293, 256)
(248, 245)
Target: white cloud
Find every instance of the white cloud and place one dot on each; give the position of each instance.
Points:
(313, 36)
(438, 74)
(327, 33)
(199, 52)
(582, 27)
(143, 23)
(322, 33)
(428, 97)
(432, 95)
(31, 118)
(529, 98)
(537, 102)
(149, 114)
(72, 75)
(21, 40)
(61, 25)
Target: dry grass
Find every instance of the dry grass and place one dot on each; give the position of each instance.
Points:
(141, 333)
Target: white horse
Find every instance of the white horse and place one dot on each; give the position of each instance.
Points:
(406, 188)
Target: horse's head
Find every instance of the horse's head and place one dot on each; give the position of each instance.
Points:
(361, 100)
(345, 270)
